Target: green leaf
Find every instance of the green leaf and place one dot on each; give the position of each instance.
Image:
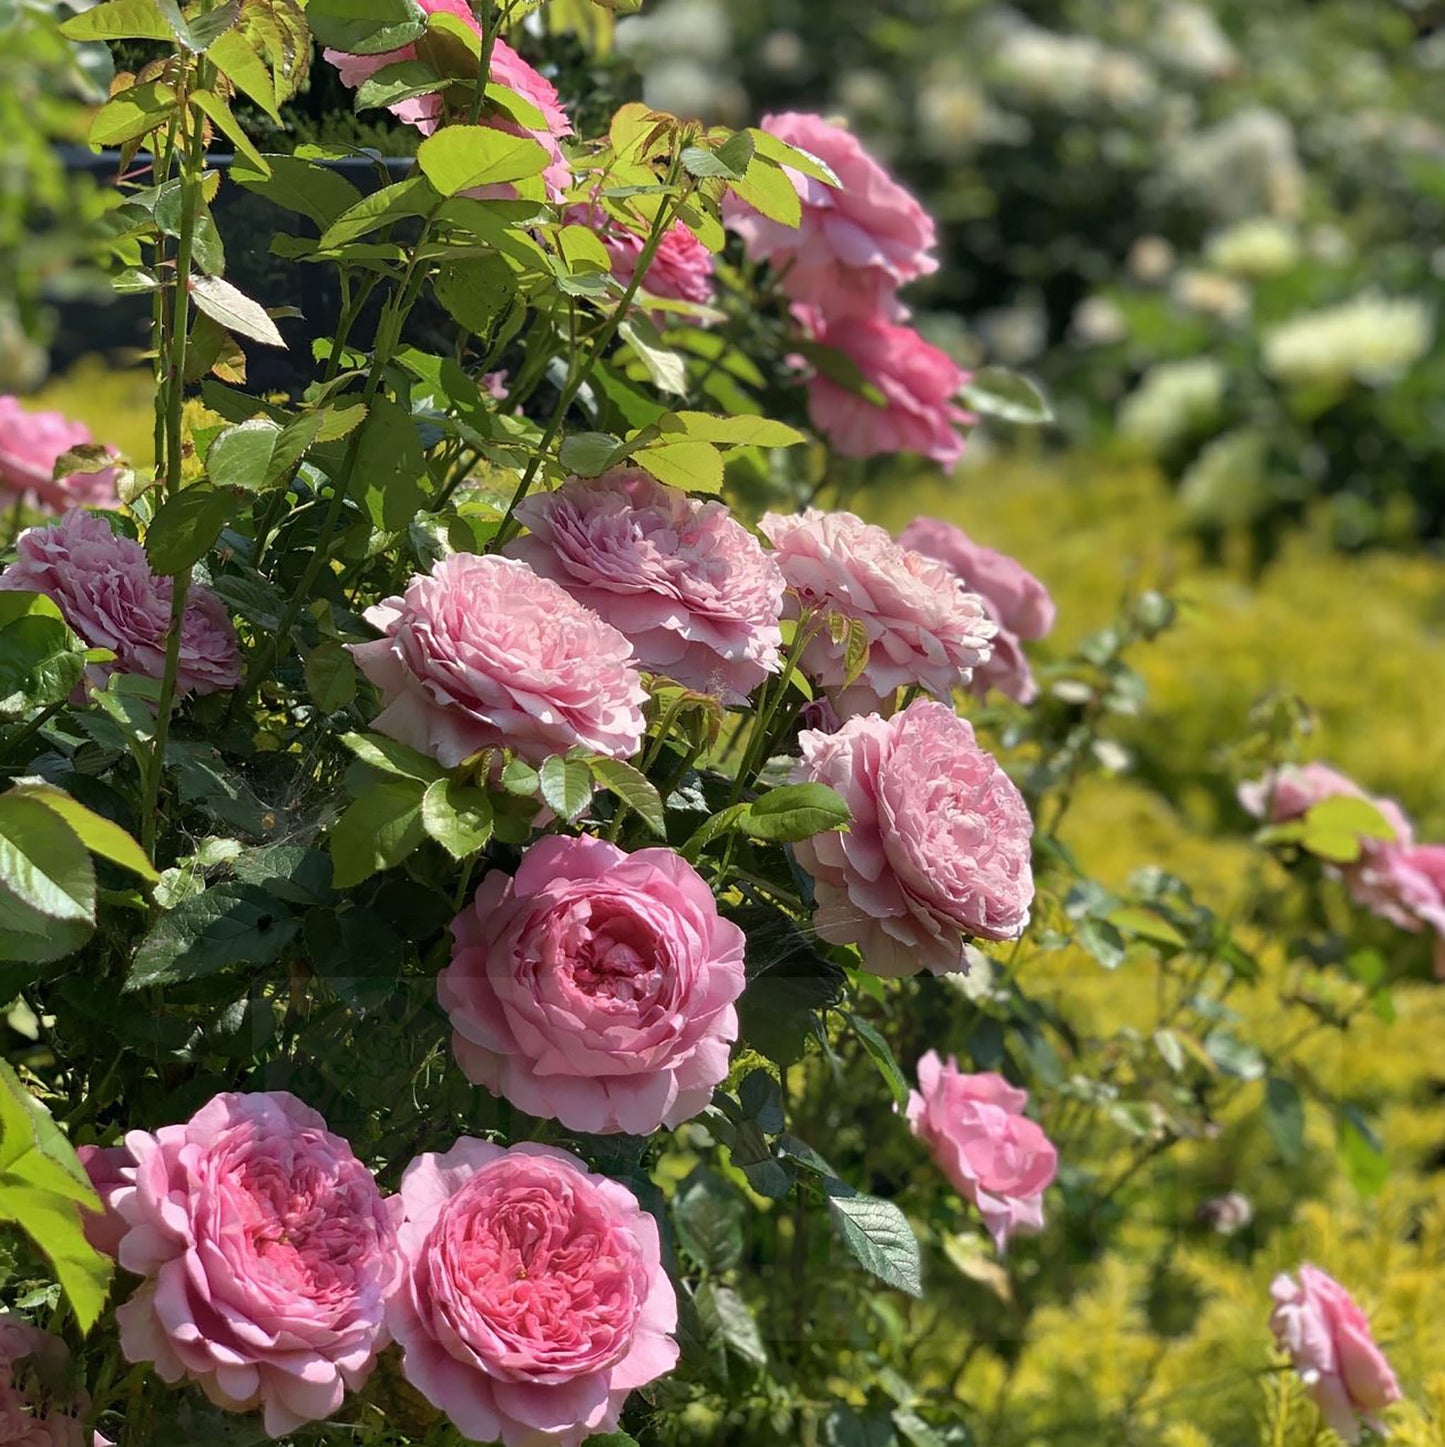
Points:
(878, 1235)
(883, 1058)
(1284, 1118)
(458, 158)
(1103, 941)
(234, 310)
(797, 159)
(99, 835)
(998, 392)
(457, 816)
(475, 290)
(132, 113)
(720, 824)
(566, 785)
(389, 757)
(726, 1318)
(378, 831)
(1234, 1056)
(304, 187)
(196, 34)
(692, 466)
(796, 811)
(241, 455)
(789, 981)
(402, 80)
(633, 787)
(230, 924)
(730, 160)
(664, 366)
(768, 188)
(358, 953)
(390, 483)
(588, 454)
(182, 532)
(45, 872)
(730, 431)
(118, 20)
(708, 1215)
(366, 27)
(237, 59)
(1343, 814)
(330, 676)
(1362, 1152)
(41, 660)
(43, 1188)
(411, 197)
(519, 777)
(1147, 925)
(223, 118)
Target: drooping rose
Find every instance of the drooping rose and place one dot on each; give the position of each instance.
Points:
(482, 653)
(533, 1298)
(595, 986)
(923, 626)
(1329, 1343)
(1015, 600)
(937, 850)
(111, 1169)
(103, 584)
(991, 1152)
(267, 1252)
(857, 243)
(919, 385)
(30, 445)
(507, 69)
(34, 1409)
(683, 579)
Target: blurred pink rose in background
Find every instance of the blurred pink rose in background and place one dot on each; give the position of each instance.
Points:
(533, 1298)
(991, 1152)
(33, 1370)
(681, 268)
(938, 848)
(30, 445)
(1328, 1340)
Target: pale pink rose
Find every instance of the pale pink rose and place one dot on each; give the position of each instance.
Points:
(508, 69)
(1015, 600)
(923, 626)
(103, 585)
(919, 385)
(482, 653)
(34, 1412)
(595, 986)
(991, 1152)
(681, 268)
(1328, 1340)
(856, 244)
(111, 1169)
(533, 1298)
(683, 579)
(938, 847)
(268, 1253)
(30, 445)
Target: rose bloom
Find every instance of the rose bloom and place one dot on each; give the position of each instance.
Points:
(683, 579)
(30, 445)
(482, 653)
(1329, 1343)
(533, 1298)
(1014, 598)
(938, 847)
(923, 626)
(508, 69)
(990, 1151)
(681, 268)
(103, 585)
(918, 382)
(32, 1365)
(857, 243)
(595, 986)
(111, 1169)
(268, 1252)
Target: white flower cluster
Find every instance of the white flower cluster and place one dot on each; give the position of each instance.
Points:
(1254, 249)
(1071, 72)
(1247, 165)
(1174, 401)
(1371, 339)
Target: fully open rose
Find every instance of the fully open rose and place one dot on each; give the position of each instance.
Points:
(533, 1298)
(267, 1252)
(595, 986)
(937, 849)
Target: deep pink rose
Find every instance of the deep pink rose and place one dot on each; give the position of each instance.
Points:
(508, 69)
(268, 1253)
(482, 653)
(938, 847)
(111, 1169)
(30, 445)
(1015, 599)
(991, 1152)
(683, 579)
(923, 626)
(1328, 1339)
(33, 1368)
(595, 986)
(681, 268)
(857, 243)
(533, 1298)
(919, 385)
(103, 584)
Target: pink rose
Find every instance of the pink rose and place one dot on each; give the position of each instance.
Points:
(938, 847)
(268, 1253)
(923, 626)
(991, 1152)
(30, 445)
(681, 268)
(683, 579)
(856, 244)
(103, 584)
(33, 1365)
(482, 653)
(111, 1169)
(595, 986)
(507, 69)
(533, 1298)
(1329, 1343)
(1014, 598)
(919, 385)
